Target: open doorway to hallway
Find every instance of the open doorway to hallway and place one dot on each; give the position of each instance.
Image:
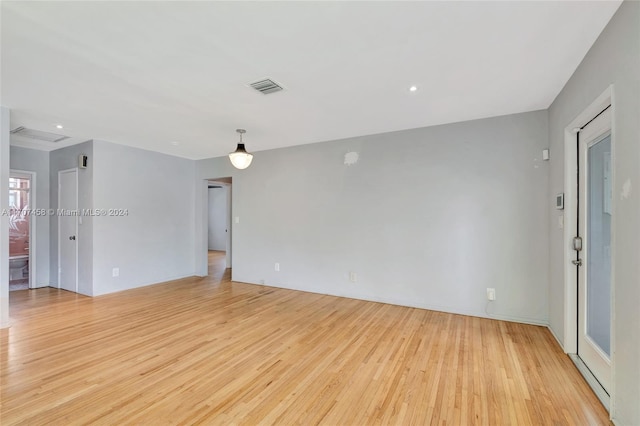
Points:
(219, 225)
(21, 231)
(216, 267)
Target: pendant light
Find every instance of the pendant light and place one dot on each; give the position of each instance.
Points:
(240, 158)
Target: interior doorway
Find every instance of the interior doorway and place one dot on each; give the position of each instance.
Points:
(218, 223)
(21, 230)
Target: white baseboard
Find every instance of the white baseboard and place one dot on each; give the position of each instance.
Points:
(557, 340)
(597, 388)
(411, 304)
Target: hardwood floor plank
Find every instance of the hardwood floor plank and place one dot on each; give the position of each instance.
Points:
(212, 351)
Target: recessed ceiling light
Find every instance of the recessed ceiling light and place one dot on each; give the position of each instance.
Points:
(413, 88)
(175, 143)
(59, 126)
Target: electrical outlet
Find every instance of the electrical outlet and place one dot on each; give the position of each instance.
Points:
(353, 277)
(116, 272)
(491, 294)
(277, 267)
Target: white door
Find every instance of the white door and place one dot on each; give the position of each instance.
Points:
(594, 273)
(68, 230)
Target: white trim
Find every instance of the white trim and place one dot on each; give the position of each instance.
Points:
(602, 395)
(145, 284)
(5, 153)
(570, 224)
(60, 172)
(32, 222)
(203, 270)
(215, 182)
(557, 339)
(614, 208)
(468, 311)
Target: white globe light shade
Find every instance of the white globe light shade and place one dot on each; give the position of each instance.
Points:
(240, 158)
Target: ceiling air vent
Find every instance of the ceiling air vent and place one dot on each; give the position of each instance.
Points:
(38, 135)
(266, 86)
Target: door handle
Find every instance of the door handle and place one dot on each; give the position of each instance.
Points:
(577, 262)
(72, 238)
(577, 243)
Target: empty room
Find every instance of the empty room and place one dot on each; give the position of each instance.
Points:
(336, 213)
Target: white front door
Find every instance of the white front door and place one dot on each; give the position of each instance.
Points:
(594, 274)
(68, 230)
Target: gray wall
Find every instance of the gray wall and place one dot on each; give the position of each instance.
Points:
(614, 58)
(428, 217)
(37, 161)
(63, 159)
(4, 220)
(154, 241)
(217, 218)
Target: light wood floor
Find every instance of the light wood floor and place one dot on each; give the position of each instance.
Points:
(211, 351)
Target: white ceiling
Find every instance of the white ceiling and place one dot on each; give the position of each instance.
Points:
(147, 74)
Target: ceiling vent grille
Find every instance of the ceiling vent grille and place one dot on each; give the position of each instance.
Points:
(38, 135)
(266, 86)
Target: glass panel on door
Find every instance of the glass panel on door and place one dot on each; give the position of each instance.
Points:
(598, 289)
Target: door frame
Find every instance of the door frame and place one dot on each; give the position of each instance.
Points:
(570, 344)
(60, 172)
(202, 224)
(32, 222)
(229, 222)
(588, 349)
